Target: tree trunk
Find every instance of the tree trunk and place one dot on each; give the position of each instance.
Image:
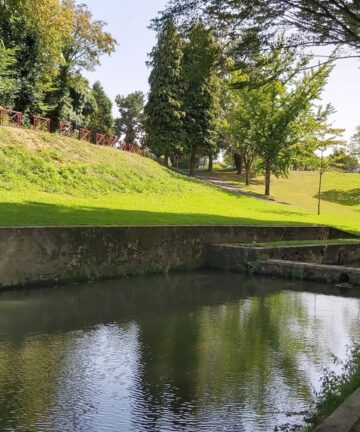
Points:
(193, 161)
(319, 195)
(267, 177)
(166, 158)
(247, 174)
(238, 163)
(211, 160)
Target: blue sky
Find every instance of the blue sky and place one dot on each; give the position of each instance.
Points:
(125, 71)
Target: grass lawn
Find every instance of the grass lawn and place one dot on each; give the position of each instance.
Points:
(49, 180)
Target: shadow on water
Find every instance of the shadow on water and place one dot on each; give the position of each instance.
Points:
(204, 351)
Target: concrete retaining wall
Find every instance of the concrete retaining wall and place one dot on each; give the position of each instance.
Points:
(237, 257)
(58, 254)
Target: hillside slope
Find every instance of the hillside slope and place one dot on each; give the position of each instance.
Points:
(50, 180)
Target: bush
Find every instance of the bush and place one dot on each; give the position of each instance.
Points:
(336, 388)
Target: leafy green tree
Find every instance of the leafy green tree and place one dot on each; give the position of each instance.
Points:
(307, 22)
(271, 121)
(82, 50)
(344, 161)
(37, 33)
(8, 84)
(79, 104)
(237, 127)
(130, 123)
(202, 93)
(320, 134)
(163, 112)
(354, 145)
(101, 119)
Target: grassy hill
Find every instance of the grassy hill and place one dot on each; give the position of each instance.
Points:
(50, 180)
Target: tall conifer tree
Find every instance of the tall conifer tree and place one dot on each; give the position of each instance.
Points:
(202, 93)
(164, 112)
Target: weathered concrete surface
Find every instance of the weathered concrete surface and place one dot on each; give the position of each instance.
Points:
(48, 255)
(239, 257)
(345, 417)
(309, 271)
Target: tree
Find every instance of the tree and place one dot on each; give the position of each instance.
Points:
(354, 145)
(36, 32)
(316, 22)
(79, 103)
(344, 161)
(239, 132)
(202, 91)
(272, 120)
(164, 109)
(82, 50)
(8, 84)
(130, 122)
(101, 119)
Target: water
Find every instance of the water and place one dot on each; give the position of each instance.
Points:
(189, 352)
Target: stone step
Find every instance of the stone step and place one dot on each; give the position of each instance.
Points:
(237, 256)
(309, 271)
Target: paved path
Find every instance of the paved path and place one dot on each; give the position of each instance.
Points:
(213, 179)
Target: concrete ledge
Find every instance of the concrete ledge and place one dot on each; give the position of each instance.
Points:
(236, 256)
(309, 271)
(47, 255)
(345, 417)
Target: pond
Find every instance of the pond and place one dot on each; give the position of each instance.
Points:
(201, 351)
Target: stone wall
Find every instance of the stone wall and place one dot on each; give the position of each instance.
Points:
(49, 255)
(237, 257)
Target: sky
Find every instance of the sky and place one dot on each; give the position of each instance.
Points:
(126, 71)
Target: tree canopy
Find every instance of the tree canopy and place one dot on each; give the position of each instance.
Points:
(130, 122)
(306, 22)
(164, 110)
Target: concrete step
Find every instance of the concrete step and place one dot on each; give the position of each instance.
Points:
(238, 256)
(336, 274)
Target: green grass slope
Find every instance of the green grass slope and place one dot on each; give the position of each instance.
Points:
(50, 180)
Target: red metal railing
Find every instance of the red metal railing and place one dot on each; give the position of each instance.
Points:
(100, 139)
(65, 129)
(85, 135)
(41, 123)
(14, 118)
(132, 148)
(111, 140)
(10, 118)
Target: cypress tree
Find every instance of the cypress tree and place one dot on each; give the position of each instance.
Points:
(164, 112)
(101, 120)
(202, 93)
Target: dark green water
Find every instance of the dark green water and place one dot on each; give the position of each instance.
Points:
(191, 352)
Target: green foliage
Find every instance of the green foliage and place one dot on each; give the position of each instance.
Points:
(343, 161)
(101, 120)
(202, 92)
(48, 43)
(8, 84)
(254, 23)
(163, 113)
(274, 120)
(336, 387)
(354, 145)
(130, 123)
(87, 40)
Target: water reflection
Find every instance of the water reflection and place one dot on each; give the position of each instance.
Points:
(193, 352)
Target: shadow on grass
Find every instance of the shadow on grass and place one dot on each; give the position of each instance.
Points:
(347, 198)
(37, 213)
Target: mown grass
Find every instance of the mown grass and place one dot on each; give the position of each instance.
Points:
(50, 180)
